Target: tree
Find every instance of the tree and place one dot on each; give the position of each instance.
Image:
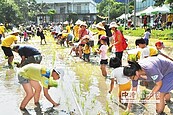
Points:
(51, 12)
(112, 8)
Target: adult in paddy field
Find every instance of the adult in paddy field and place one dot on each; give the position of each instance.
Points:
(6, 46)
(158, 70)
(30, 75)
(28, 54)
(117, 40)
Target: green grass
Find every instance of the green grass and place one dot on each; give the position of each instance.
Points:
(155, 34)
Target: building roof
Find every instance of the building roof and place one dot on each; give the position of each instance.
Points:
(63, 1)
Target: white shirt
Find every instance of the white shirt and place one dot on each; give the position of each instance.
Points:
(103, 54)
(147, 35)
(120, 77)
(145, 52)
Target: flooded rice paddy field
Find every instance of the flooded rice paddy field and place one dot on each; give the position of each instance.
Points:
(82, 90)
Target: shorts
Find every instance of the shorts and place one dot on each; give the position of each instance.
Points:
(32, 59)
(69, 37)
(167, 83)
(7, 51)
(22, 80)
(124, 87)
(104, 61)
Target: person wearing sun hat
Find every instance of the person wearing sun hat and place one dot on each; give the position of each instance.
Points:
(30, 75)
(67, 27)
(101, 31)
(117, 40)
(159, 46)
(82, 32)
(76, 30)
(102, 51)
(6, 46)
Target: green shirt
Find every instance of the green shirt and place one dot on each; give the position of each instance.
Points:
(38, 72)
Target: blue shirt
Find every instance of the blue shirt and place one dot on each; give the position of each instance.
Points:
(28, 51)
(156, 69)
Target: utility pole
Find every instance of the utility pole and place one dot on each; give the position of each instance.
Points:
(134, 15)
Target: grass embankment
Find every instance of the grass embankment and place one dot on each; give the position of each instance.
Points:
(155, 34)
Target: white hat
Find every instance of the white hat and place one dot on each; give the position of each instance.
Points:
(66, 22)
(113, 24)
(59, 71)
(83, 24)
(100, 25)
(1, 24)
(78, 22)
(14, 31)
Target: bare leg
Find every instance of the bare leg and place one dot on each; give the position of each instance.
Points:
(10, 60)
(29, 94)
(37, 88)
(103, 69)
(80, 51)
(167, 97)
(161, 105)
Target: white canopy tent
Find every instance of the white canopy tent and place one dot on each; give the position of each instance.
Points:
(164, 9)
(124, 16)
(146, 11)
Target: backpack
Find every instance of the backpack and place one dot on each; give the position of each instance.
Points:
(124, 43)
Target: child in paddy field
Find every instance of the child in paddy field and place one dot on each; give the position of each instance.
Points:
(86, 51)
(103, 55)
(147, 35)
(123, 81)
(30, 75)
(158, 70)
(159, 46)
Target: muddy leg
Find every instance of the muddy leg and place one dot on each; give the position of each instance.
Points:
(37, 88)
(160, 106)
(29, 94)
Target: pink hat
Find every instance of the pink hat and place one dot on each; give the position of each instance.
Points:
(103, 37)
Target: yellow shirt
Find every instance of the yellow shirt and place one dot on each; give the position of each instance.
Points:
(64, 35)
(102, 32)
(68, 29)
(86, 49)
(38, 72)
(152, 52)
(2, 29)
(169, 18)
(76, 31)
(8, 41)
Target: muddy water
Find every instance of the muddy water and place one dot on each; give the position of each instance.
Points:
(82, 91)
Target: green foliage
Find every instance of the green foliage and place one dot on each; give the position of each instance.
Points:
(115, 9)
(156, 34)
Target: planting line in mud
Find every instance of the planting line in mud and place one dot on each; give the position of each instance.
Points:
(79, 108)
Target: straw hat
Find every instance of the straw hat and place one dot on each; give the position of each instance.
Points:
(78, 22)
(113, 24)
(83, 24)
(14, 31)
(100, 25)
(86, 37)
(66, 22)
